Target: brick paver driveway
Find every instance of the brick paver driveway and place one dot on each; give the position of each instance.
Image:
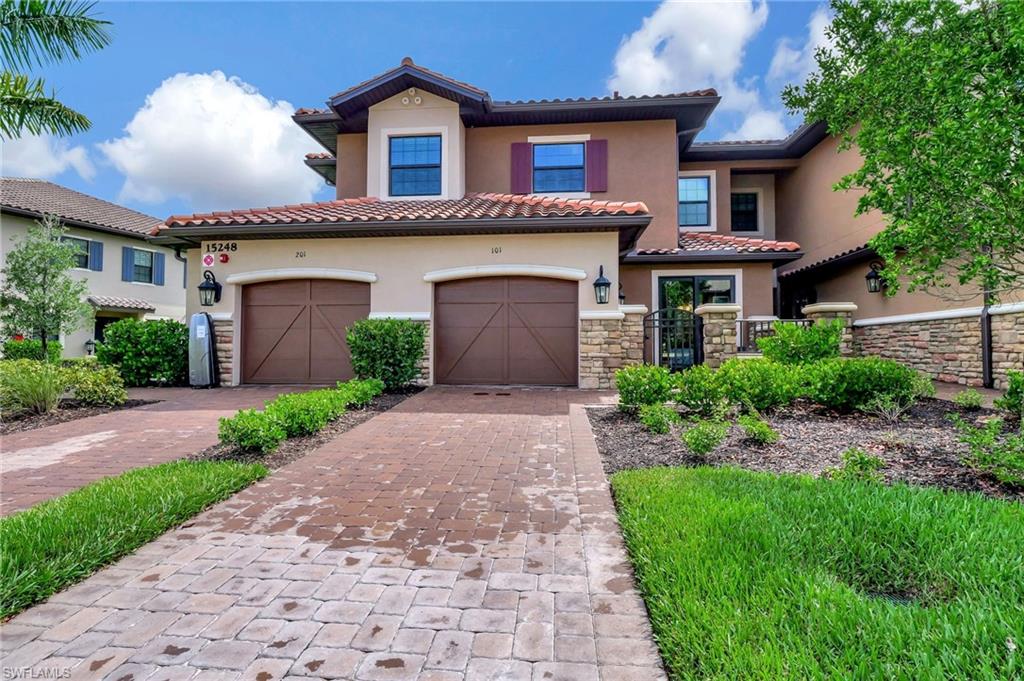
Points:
(458, 536)
(46, 462)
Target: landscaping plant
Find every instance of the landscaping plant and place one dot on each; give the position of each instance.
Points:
(57, 543)
(387, 349)
(759, 576)
(27, 385)
(96, 386)
(704, 437)
(641, 384)
(251, 431)
(146, 352)
(999, 454)
(1013, 399)
(969, 399)
(757, 429)
(857, 465)
(29, 348)
(760, 383)
(658, 418)
(846, 383)
(798, 344)
(698, 390)
(890, 408)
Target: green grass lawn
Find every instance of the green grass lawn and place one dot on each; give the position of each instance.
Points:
(757, 576)
(57, 543)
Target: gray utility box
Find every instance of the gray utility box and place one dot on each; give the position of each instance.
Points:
(202, 352)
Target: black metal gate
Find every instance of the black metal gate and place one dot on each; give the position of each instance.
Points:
(674, 337)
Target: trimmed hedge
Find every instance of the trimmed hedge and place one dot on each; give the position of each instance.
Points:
(642, 384)
(146, 352)
(845, 384)
(387, 349)
(32, 349)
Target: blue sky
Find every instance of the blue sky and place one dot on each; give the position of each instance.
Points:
(217, 142)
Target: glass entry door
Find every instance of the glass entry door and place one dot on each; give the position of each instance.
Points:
(678, 297)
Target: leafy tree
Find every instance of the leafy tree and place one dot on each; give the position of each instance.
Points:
(38, 294)
(37, 33)
(932, 95)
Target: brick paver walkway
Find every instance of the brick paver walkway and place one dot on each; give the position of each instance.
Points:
(40, 464)
(456, 537)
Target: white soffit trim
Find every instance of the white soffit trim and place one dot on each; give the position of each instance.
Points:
(412, 316)
(938, 315)
(256, 276)
(505, 271)
(633, 309)
(601, 314)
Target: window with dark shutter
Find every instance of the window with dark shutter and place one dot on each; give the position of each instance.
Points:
(559, 167)
(81, 251)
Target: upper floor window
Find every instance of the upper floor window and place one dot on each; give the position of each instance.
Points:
(559, 167)
(142, 270)
(415, 165)
(695, 201)
(81, 252)
(744, 212)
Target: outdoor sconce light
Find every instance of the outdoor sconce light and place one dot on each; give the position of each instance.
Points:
(874, 279)
(209, 290)
(90, 346)
(602, 287)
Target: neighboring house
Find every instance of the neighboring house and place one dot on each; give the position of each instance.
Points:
(126, 275)
(492, 221)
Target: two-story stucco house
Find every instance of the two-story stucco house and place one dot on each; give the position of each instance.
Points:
(497, 224)
(126, 275)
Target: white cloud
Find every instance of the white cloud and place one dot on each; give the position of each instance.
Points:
(792, 64)
(45, 157)
(760, 125)
(216, 142)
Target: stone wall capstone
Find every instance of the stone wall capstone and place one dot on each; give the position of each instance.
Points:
(610, 344)
(823, 313)
(719, 323)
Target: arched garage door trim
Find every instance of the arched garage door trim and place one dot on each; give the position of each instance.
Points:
(545, 271)
(257, 276)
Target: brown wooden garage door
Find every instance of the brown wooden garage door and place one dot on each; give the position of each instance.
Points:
(506, 330)
(293, 331)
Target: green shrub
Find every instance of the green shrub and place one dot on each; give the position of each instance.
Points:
(705, 436)
(1013, 399)
(32, 349)
(969, 399)
(306, 413)
(96, 386)
(698, 390)
(360, 392)
(857, 465)
(150, 352)
(844, 384)
(89, 362)
(799, 344)
(389, 350)
(760, 383)
(658, 418)
(889, 408)
(28, 385)
(757, 430)
(252, 431)
(641, 384)
(992, 452)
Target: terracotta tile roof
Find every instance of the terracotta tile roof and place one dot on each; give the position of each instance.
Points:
(696, 242)
(319, 155)
(707, 92)
(372, 209)
(40, 197)
(311, 111)
(407, 62)
(119, 303)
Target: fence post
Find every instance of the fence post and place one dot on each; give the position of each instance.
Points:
(719, 332)
(826, 312)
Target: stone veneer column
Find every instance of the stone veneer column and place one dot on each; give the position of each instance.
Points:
(609, 344)
(826, 312)
(424, 378)
(224, 336)
(719, 332)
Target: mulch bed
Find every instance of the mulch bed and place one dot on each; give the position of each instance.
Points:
(923, 449)
(68, 410)
(295, 448)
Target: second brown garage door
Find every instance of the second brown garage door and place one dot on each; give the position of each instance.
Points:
(293, 331)
(506, 330)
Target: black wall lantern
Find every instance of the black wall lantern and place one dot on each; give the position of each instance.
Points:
(602, 287)
(209, 290)
(874, 279)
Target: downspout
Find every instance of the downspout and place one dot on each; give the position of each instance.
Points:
(183, 261)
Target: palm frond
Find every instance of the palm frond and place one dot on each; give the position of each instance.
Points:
(38, 32)
(25, 107)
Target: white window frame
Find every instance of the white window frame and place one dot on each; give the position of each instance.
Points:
(559, 139)
(385, 161)
(712, 225)
(760, 209)
(152, 269)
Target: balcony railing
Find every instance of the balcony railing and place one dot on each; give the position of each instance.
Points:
(748, 331)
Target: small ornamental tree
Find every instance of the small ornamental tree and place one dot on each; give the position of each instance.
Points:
(931, 95)
(39, 295)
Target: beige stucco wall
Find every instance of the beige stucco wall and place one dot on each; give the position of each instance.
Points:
(169, 299)
(754, 281)
(433, 115)
(642, 161)
(350, 182)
